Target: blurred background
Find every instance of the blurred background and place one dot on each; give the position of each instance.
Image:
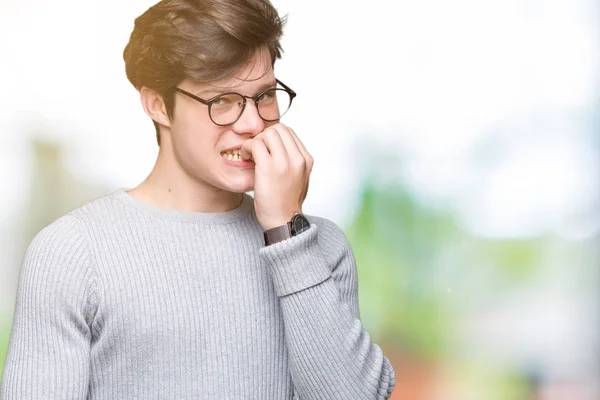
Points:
(458, 148)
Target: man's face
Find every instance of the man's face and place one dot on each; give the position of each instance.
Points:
(198, 143)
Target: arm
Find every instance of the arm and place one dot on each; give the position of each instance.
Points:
(331, 356)
(49, 349)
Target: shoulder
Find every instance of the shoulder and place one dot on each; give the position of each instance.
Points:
(70, 224)
(57, 266)
(100, 207)
(64, 240)
(58, 243)
(57, 273)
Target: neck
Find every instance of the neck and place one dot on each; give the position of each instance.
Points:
(169, 186)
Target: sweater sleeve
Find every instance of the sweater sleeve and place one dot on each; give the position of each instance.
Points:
(331, 356)
(49, 348)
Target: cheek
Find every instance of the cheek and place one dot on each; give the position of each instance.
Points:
(196, 143)
(191, 117)
(191, 129)
(196, 138)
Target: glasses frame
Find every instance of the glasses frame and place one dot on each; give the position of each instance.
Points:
(255, 99)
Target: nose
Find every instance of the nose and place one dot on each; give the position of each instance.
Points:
(250, 121)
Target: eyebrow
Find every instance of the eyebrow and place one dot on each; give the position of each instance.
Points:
(217, 92)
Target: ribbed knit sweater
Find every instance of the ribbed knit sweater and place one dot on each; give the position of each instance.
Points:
(120, 299)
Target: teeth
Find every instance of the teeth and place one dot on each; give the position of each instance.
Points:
(233, 155)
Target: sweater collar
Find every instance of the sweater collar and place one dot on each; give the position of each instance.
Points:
(234, 215)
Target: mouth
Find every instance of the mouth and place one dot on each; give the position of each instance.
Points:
(234, 155)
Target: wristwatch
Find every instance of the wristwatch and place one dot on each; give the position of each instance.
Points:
(297, 225)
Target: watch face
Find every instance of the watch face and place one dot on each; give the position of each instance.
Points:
(299, 224)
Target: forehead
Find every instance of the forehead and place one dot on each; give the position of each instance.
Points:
(256, 71)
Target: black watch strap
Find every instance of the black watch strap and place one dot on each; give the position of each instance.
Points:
(278, 234)
(298, 224)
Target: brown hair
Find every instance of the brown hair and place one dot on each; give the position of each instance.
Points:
(204, 40)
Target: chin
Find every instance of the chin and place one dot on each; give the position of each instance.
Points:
(245, 189)
(242, 186)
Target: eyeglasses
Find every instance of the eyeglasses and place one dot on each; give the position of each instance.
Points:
(227, 108)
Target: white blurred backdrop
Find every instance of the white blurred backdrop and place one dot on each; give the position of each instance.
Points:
(489, 110)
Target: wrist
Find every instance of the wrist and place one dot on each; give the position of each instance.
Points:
(296, 225)
(280, 220)
(275, 223)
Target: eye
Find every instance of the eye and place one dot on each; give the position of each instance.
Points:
(228, 100)
(268, 95)
(221, 101)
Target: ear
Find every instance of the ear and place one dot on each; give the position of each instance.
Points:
(154, 106)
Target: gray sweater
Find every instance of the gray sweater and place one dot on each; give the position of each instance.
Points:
(119, 299)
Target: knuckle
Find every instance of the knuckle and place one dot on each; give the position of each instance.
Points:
(258, 141)
(300, 162)
(271, 134)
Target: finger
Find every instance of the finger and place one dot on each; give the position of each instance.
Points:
(289, 142)
(255, 149)
(298, 141)
(307, 157)
(272, 139)
(305, 192)
(305, 153)
(245, 151)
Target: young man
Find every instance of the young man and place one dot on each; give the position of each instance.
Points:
(186, 287)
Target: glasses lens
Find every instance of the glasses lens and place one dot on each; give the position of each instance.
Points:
(273, 104)
(226, 108)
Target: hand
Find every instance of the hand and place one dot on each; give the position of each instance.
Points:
(282, 172)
